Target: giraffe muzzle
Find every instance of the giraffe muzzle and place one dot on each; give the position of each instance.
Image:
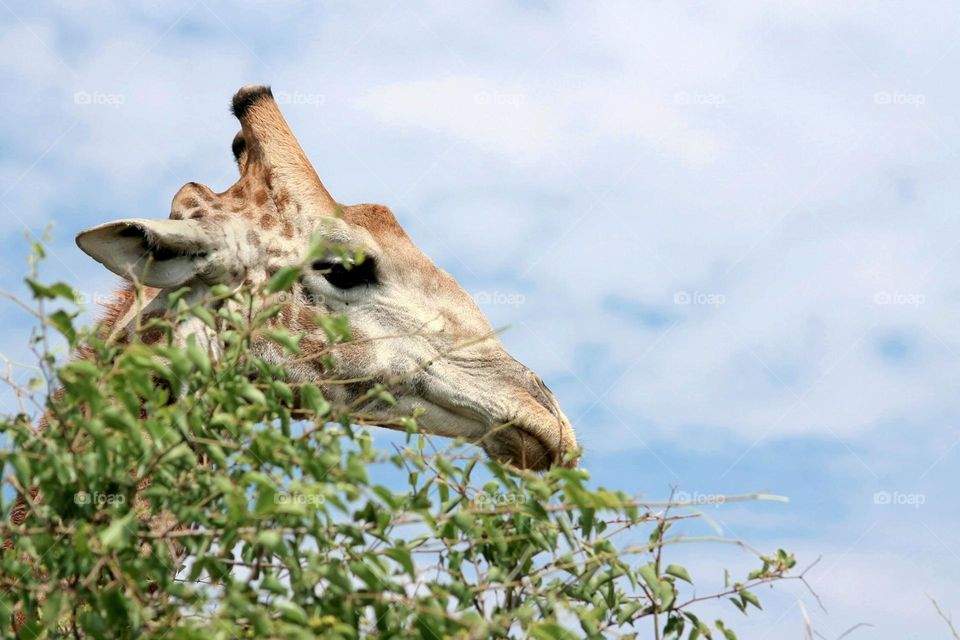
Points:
(539, 435)
(524, 445)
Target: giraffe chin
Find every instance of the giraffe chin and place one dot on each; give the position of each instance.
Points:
(504, 441)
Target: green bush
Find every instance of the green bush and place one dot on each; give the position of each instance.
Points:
(182, 496)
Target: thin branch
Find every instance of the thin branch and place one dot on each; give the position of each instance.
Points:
(946, 618)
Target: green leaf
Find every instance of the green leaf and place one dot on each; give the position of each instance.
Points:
(283, 279)
(54, 607)
(198, 357)
(285, 339)
(270, 539)
(63, 322)
(403, 557)
(751, 598)
(119, 533)
(51, 292)
(313, 400)
(205, 316)
(649, 574)
(678, 571)
(252, 394)
(272, 584)
(291, 612)
(727, 633)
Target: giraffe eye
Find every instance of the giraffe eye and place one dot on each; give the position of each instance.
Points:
(347, 276)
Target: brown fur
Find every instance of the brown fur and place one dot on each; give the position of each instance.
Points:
(375, 218)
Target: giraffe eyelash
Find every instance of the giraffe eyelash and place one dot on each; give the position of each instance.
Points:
(347, 275)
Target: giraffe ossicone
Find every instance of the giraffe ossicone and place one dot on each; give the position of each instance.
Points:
(414, 327)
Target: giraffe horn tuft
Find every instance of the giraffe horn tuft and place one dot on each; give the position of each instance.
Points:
(266, 143)
(247, 96)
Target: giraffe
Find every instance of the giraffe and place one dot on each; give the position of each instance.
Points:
(414, 327)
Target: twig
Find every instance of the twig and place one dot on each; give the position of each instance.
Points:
(852, 629)
(946, 618)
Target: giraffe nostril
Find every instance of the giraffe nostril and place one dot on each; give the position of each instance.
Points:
(542, 394)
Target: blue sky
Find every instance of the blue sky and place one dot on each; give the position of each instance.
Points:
(725, 234)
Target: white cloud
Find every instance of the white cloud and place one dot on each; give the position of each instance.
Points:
(503, 118)
(539, 122)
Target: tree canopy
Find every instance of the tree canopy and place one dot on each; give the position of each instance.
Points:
(185, 496)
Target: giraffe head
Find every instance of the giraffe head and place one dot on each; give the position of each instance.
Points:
(414, 328)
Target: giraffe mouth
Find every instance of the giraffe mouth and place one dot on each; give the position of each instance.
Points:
(520, 448)
(539, 436)
(536, 443)
(512, 442)
(528, 431)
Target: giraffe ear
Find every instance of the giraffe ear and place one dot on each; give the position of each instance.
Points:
(157, 253)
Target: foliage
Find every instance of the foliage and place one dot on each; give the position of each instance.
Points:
(267, 488)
